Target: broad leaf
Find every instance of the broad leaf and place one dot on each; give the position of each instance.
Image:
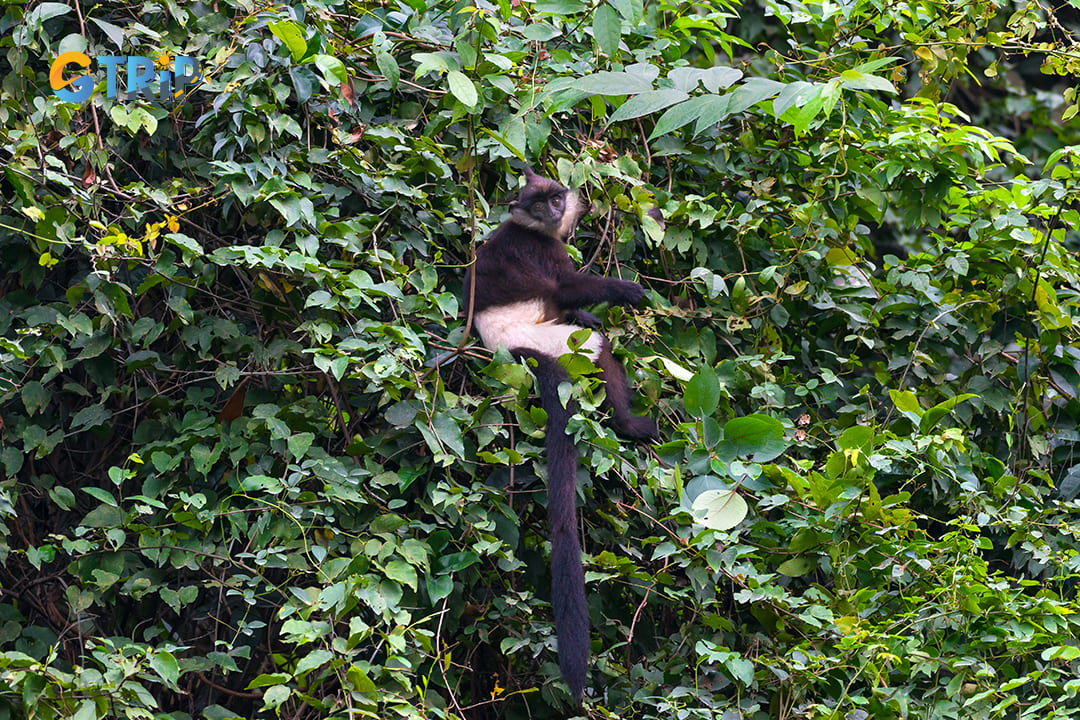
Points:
(647, 103)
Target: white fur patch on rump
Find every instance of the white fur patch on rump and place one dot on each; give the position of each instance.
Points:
(522, 325)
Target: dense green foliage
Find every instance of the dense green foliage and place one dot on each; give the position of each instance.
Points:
(251, 467)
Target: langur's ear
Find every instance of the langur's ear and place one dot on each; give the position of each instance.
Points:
(530, 177)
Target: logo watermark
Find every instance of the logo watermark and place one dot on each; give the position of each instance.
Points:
(175, 77)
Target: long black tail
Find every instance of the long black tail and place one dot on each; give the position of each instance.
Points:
(567, 574)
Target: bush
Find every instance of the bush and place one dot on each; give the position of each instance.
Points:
(252, 467)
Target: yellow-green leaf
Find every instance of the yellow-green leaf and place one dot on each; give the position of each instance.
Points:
(462, 87)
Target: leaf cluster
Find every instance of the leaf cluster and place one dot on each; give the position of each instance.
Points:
(250, 466)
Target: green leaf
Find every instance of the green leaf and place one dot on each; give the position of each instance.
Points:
(263, 483)
(180, 305)
(274, 696)
(332, 69)
(856, 80)
(360, 680)
(859, 437)
(12, 460)
(320, 299)
(35, 557)
(439, 587)
(95, 345)
(103, 495)
(87, 711)
(607, 29)
(313, 660)
(46, 11)
(164, 664)
(958, 264)
(700, 484)
(388, 66)
(559, 7)
(541, 32)
(647, 103)
(217, 712)
(796, 567)
(804, 539)
(841, 256)
(753, 91)
(803, 116)
(415, 552)
(401, 414)
(720, 509)
(456, 562)
(90, 417)
(292, 35)
(615, 83)
(63, 497)
(672, 368)
(141, 118)
(793, 95)
(933, 416)
(709, 109)
(223, 660)
(332, 596)
(440, 62)
(715, 78)
(226, 375)
(449, 434)
(299, 444)
(103, 516)
(268, 679)
(114, 32)
(34, 397)
(1067, 653)
(713, 282)
(872, 65)
(741, 669)
(702, 394)
(755, 437)
(462, 88)
(631, 10)
(402, 572)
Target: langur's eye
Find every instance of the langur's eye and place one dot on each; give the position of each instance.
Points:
(557, 202)
(538, 207)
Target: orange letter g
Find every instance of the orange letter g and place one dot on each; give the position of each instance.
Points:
(82, 85)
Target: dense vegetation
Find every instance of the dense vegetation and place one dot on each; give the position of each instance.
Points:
(251, 466)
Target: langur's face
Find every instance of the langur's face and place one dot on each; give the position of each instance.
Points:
(547, 207)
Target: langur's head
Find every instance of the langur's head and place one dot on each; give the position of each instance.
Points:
(547, 207)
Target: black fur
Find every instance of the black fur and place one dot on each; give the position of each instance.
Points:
(567, 573)
(525, 259)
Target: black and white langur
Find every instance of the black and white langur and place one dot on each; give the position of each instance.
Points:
(528, 297)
